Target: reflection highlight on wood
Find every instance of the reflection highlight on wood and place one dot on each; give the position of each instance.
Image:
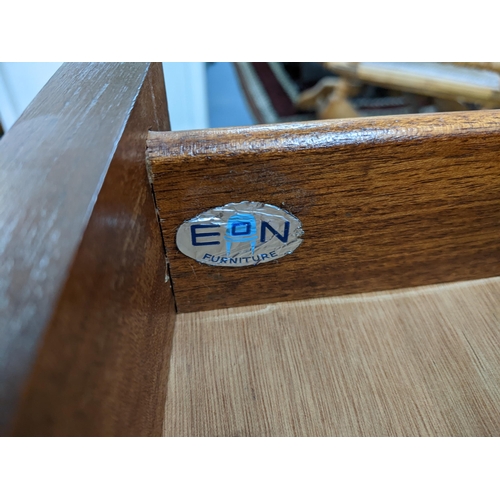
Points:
(416, 362)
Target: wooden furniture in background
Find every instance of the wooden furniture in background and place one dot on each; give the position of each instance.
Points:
(447, 87)
(329, 98)
(460, 83)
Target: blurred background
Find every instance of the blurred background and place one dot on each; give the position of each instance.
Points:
(224, 94)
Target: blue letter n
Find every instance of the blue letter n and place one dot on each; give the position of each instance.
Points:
(266, 225)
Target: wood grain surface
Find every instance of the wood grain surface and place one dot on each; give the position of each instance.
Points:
(86, 316)
(385, 203)
(415, 362)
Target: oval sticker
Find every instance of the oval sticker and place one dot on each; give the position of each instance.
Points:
(240, 234)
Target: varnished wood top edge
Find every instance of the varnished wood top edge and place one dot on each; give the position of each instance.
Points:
(320, 134)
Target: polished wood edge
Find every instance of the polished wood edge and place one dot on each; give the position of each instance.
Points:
(314, 135)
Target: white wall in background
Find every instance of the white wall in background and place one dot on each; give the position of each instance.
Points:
(19, 84)
(187, 95)
(186, 91)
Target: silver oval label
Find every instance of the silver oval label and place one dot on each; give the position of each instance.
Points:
(240, 234)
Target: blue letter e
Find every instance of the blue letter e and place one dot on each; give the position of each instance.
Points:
(195, 235)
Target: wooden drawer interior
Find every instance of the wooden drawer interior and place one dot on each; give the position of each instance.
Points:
(416, 362)
(390, 327)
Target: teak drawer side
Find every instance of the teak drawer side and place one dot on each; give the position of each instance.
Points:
(384, 203)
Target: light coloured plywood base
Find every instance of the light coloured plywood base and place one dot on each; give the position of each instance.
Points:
(417, 362)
